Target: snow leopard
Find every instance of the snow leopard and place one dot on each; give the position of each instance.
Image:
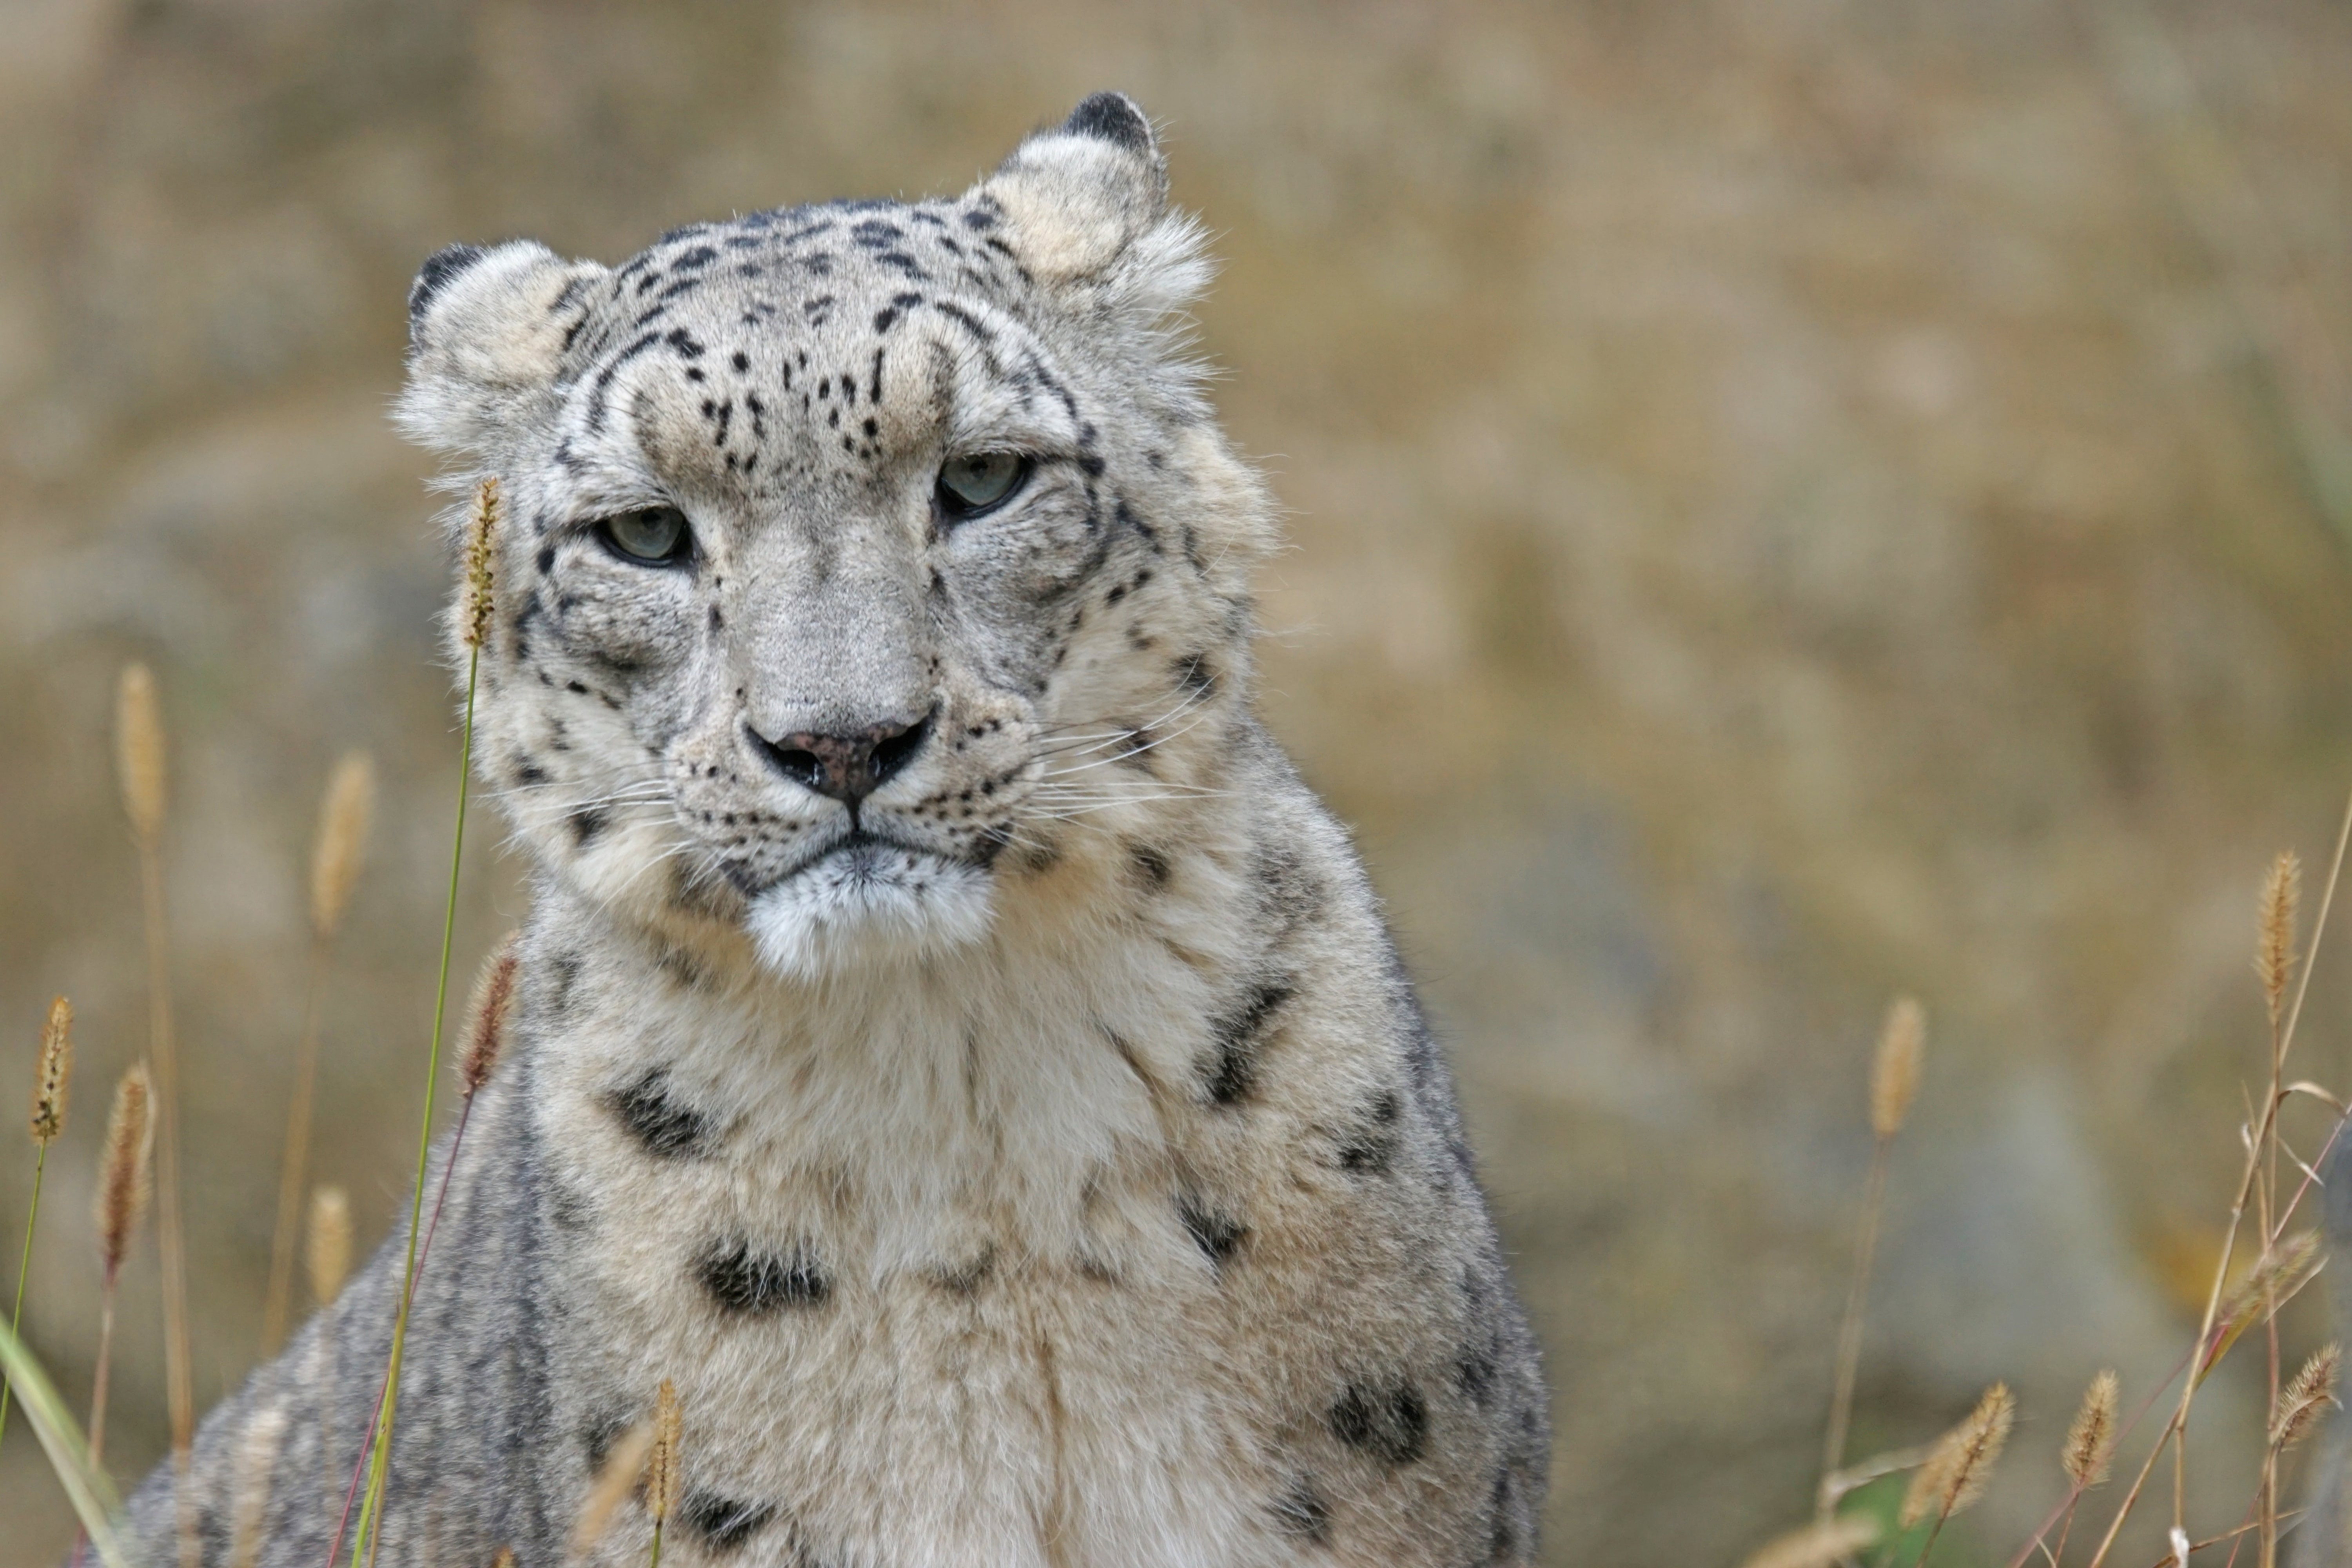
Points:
(953, 1047)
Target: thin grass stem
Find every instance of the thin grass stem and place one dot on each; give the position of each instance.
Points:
(24, 1268)
(294, 1163)
(370, 1509)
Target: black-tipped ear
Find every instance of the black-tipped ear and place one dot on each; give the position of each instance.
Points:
(487, 334)
(1114, 117)
(439, 268)
(1079, 195)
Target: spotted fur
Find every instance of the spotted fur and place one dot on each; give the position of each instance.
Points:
(1036, 1159)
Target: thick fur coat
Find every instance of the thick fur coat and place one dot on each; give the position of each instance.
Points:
(952, 1047)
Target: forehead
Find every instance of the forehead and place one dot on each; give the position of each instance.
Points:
(838, 331)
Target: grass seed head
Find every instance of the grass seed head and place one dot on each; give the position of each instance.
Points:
(139, 752)
(2306, 1399)
(1959, 1468)
(2272, 1281)
(341, 844)
(55, 1073)
(1895, 1073)
(328, 1248)
(125, 1177)
(489, 1015)
(1818, 1545)
(663, 1483)
(503, 1558)
(2091, 1440)
(481, 554)
(256, 1462)
(623, 1464)
(2275, 952)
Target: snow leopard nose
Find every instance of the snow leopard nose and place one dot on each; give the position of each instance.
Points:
(846, 767)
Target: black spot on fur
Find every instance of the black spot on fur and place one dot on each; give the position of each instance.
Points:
(435, 275)
(546, 559)
(724, 1523)
(1301, 1513)
(1391, 1424)
(1373, 1147)
(600, 1436)
(1111, 116)
(700, 256)
(668, 1128)
(1217, 1234)
(587, 824)
(1152, 863)
(562, 975)
(528, 773)
(1232, 1069)
(749, 1282)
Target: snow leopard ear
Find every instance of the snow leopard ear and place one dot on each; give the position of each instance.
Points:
(486, 331)
(1086, 202)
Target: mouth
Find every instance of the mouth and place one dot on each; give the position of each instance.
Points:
(867, 895)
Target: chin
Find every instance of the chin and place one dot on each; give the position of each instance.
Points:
(869, 903)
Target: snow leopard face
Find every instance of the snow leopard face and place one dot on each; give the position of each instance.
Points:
(853, 560)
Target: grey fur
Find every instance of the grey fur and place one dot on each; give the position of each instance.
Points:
(1061, 1173)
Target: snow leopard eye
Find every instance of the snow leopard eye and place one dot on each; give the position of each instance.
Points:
(978, 482)
(655, 535)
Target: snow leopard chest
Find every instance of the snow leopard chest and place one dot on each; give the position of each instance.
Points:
(933, 1281)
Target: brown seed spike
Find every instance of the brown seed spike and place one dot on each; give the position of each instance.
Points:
(492, 1014)
(2274, 952)
(2091, 1440)
(1894, 1074)
(139, 752)
(253, 1467)
(2306, 1399)
(482, 538)
(503, 1558)
(663, 1486)
(1959, 1468)
(341, 844)
(329, 1252)
(125, 1179)
(55, 1073)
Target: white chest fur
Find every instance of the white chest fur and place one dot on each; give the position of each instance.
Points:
(914, 1249)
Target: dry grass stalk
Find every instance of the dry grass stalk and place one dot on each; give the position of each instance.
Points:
(1817, 1545)
(255, 1466)
(1821, 1544)
(623, 1464)
(489, 1014)
(1894, 1084)
(51, 1076)
(663, 1483)
(341, 844)
(2091, 1440)
(2275, 952)
(2274, 1280)
(138, 753)
(126, 1173)
(481, 555)
(1962, 1465)
(1894, 1072)
(335, 857)
(55, 1073)
(125, 1181)
(329, 1249)
(2306, 1399)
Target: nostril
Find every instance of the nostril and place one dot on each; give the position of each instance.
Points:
(804, 768)
(846, 767)
(892, 752)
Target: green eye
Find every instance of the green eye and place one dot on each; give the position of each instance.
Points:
(972, 484)
(654, 533)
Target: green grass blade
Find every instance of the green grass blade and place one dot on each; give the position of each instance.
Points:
(85, 1487)
(370, 1522)
(24, 1268)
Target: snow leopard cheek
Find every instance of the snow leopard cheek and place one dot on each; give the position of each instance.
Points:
(638, 631)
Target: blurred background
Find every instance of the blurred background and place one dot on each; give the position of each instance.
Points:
(1791, 500)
